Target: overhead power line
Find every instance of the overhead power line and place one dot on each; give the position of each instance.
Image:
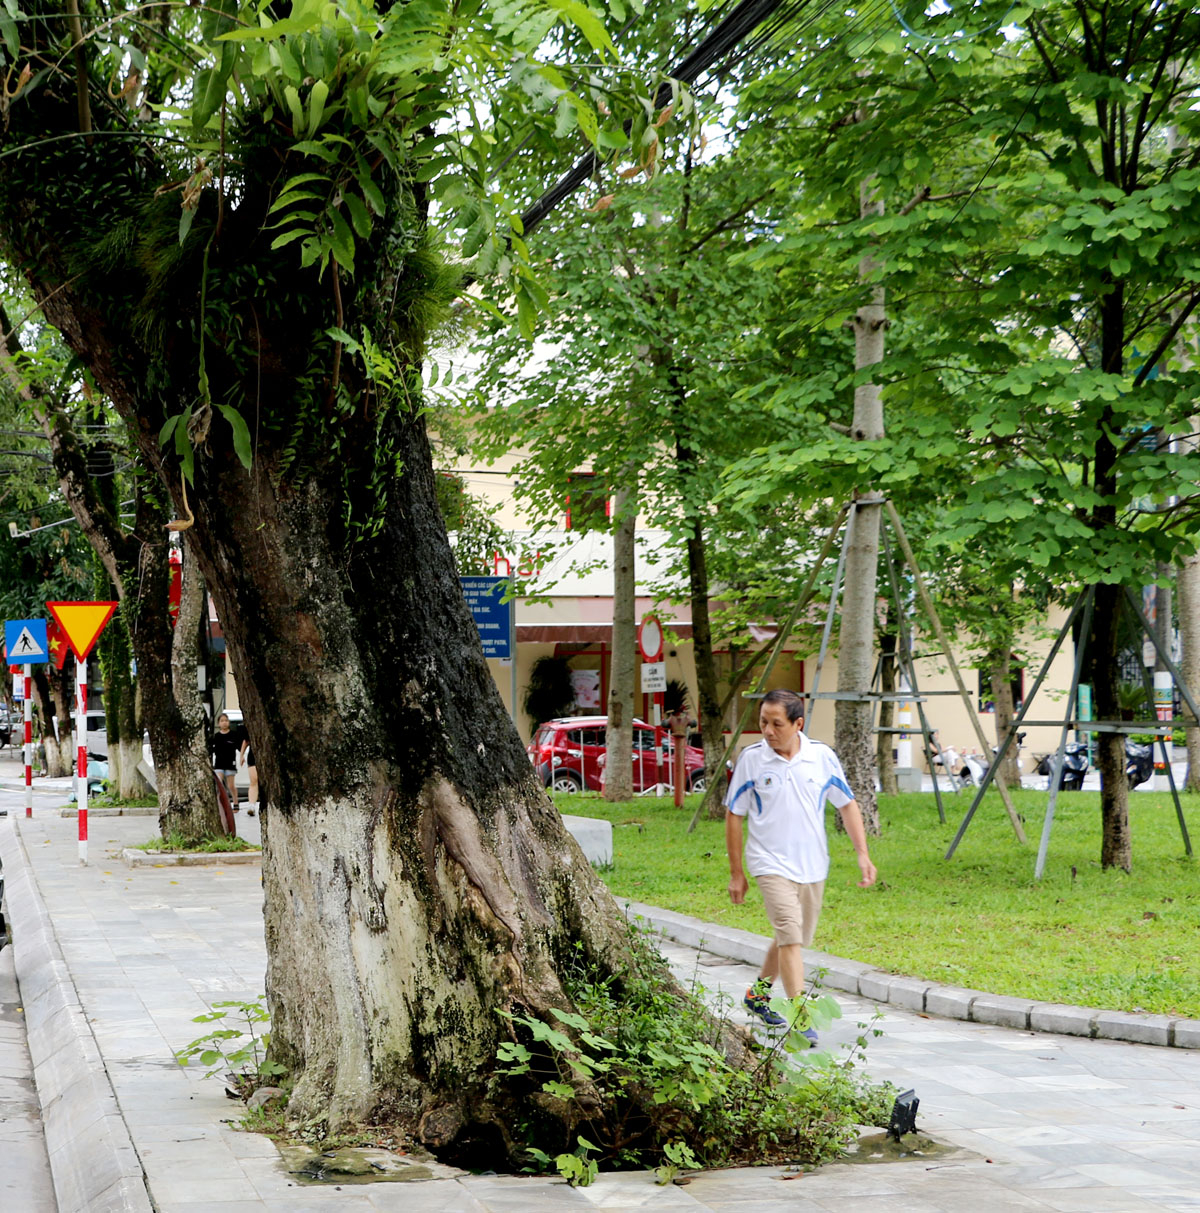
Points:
(723, 39)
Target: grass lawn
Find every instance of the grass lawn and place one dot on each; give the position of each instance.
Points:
(1081, 935)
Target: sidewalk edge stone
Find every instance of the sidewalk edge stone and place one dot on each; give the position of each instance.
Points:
(178, 859)
(93, 1162)
(949, 1002)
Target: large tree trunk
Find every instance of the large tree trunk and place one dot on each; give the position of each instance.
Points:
(416, 877)
(120, 709)
(712, 729)
(137, 563)
(618, 741)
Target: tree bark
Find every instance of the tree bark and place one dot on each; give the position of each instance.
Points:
(999, 666)
(887, 712)
(187, 802)
(137, 567)
(1187, 576)
(1187, 582)
(137, 564)
(1116, 848)
(712, 725)
(618, 740)
(856, 645)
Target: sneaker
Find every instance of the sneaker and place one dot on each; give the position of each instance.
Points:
(810, 1036)
(758, 1002)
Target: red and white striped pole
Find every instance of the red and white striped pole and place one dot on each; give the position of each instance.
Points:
(81, 752)
(28, 744)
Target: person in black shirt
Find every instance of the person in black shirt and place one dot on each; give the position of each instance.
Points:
(224, 750)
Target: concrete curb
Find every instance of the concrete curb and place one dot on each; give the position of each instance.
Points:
(188, 859)
(927, 997)
(71, 811)
(93, 1163)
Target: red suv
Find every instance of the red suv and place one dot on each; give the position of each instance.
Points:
(569, 753)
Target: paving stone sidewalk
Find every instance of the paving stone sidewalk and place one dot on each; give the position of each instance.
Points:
(114, 964)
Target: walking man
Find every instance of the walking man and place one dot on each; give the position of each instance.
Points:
(781, 785)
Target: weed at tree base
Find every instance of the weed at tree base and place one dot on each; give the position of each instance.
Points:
(640, 1071)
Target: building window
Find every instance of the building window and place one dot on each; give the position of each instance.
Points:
(587, 503)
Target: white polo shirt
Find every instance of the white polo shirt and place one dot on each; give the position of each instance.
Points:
(783, 801)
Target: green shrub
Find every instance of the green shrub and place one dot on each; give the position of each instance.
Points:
(640, 1071)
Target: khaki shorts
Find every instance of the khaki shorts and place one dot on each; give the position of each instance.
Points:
(792, 909)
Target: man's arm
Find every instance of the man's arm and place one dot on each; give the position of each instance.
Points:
(852, 820)
(733, 846)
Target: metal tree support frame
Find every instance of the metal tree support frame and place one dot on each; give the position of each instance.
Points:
(904, 655)
(1085, 604)
(847, 512)
(908, 670)
(944, 641)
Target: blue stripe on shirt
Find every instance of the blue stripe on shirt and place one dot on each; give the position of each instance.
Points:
(840, 784)
(757, 798)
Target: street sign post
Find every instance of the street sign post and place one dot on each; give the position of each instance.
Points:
(25, 642)
(81, 624)
(654, 681)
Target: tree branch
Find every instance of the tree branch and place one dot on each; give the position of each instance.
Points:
(83, 104)
(726, 223)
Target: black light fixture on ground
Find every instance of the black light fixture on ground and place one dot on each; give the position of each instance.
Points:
(904, 1115)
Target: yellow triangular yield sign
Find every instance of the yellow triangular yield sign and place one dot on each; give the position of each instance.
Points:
(82, 623)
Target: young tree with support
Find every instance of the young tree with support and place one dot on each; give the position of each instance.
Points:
(1051, 263)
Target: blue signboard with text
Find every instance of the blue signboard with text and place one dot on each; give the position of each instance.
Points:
(493, 616)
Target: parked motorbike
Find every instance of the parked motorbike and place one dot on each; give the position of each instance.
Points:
(973, 770)
(1139, 761)
(1075, 766)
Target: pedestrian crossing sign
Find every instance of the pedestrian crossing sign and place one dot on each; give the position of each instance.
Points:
(25, 641)
(82, 623)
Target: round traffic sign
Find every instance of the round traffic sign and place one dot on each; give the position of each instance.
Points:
(650, 638)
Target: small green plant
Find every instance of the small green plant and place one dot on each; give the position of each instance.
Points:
(108, 799)
(577, 1168)
(176, 842)
(1131, 697)
(679, 1158)
(241, 1051)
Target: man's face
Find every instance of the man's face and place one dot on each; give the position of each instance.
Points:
(780, 733)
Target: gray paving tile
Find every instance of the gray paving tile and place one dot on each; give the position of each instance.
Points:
(438, 1196)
